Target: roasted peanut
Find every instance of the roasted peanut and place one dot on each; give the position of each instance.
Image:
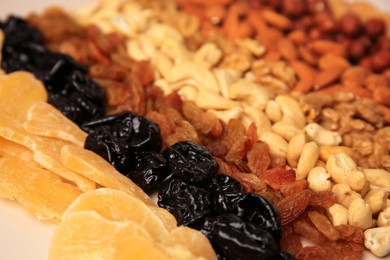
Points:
(278, 146)
(338, 214)
(376, 199)
(378, 177)
(378, 240)
(295, 147)
(322, 136)
(384, 217)
(344, 194)
(360, 214)
(327, 150)
(307, 160)
(318, 179)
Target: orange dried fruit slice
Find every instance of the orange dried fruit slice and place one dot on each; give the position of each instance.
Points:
(141, 249)
(87, 235)
(13, 130)
(10, 148)
(47, 152)
(19, 90)
(190, 240)
(45, 120)
(95, 168)
(118, 205)
(41, 192)
(166, 217)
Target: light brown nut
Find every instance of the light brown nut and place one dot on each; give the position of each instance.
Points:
(295, 147)
(277, 20)
(344, 194)
(327, 150)
(259, 118)
(318, 179)
(273, 111)
(323, 47)
(251, 45)
(287, 48)
(208, 54)
(329, 61)
(227, 115)
(360, 214)
(322, 136)
(327, 77)
(384, 217)
(377, 199)
(285, 129)
(344, 170)
(354, 76)
(338, 214)
(378, 240)
(277, 145)
(378, 177)
(249, 92)
(307, 160)
(291, 109)
(210, 100)
(304, 71)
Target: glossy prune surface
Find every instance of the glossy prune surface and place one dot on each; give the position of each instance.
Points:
(224, 192)
(190, 162)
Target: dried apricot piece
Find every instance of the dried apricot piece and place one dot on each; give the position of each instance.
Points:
(87, 235)
(119, 206)
(19, 90)
(95, 168)
(45, 120)
(41, 192)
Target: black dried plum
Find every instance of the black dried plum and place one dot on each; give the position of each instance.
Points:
(187, 202)
(260, 212)
(190, 161)
(225, 191)
(148, 170)
(118, 137)
(234, 238)
(18, 32)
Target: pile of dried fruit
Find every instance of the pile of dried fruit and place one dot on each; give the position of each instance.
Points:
(231, 98)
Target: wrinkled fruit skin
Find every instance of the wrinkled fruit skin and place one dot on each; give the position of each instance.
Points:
(70, 90)
(118, 137)
(260, 212)
(234, 238)
(225, 191)
(190, 162)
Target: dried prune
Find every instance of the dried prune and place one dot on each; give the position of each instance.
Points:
(187, 202)
(18, 31)
(117, 137)
(148, 170)
(225, 191)
(234, 238)
(190, 161)
(260, 212)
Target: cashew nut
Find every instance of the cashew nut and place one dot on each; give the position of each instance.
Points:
(343, 170)
(360, 214)
(290, 108)
(378, 240)
(338, 214)
(318, 179)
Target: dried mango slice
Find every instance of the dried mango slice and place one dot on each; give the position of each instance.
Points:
(190, 240)
(8, 147)
(18, 91)
(46, 151)
(141, 249)
(41, 192)
(87, 235)
(45, 120)
(118, 205)
(95, 168)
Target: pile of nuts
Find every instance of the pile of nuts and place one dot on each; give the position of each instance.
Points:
(337, 145)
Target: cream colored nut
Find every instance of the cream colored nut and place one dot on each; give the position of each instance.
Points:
(162, 64)
(273, 82)
(188, 92)
(376, 199)
(322, 136)
(251, 93)
(188, 25)
(205, 80)
(290, 108)
(295, 147)
(164, 86)
(343, 170)
(318, 179)
(175, 50)
(277, 144)
(378, 177)
(225, 78)
(285, 129)
(384, 217)
(208, 54)
(321, 164)
(253, 46)
(259, 118)
(344, 194)
(227, 115)
(159, 33)
(338, 214)
(378, 240)
(360, 214)
(135, 51)
(209, 100)
(273, 111)
(307, 160)
(327, 150)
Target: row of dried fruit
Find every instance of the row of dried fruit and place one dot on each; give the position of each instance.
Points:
(210, 72)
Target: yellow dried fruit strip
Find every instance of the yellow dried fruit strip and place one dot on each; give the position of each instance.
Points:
(18, 91)
(41, 192)
(95, 168)
(46, 151)
(45, 120)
